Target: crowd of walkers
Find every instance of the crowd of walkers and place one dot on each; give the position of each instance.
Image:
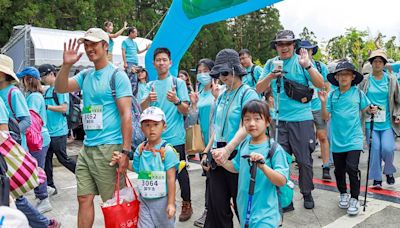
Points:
(253, 121)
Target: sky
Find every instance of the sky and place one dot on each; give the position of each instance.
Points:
(328, 19)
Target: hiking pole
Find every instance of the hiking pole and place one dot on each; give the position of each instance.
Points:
(278, 92)
(253, 172)
(369, 157)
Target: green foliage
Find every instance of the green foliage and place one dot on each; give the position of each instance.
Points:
(308, 35)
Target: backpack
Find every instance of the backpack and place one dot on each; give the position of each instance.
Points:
(137, 134)
(286, 192)
(34, 138)
(252, 74)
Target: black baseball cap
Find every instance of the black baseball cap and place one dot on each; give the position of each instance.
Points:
(46, 69)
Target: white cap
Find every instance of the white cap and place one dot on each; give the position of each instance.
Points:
(152, 113)
(12, 217)
(95, 35)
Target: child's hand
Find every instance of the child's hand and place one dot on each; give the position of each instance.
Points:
(257, 157)
(170, 211)
(322, 96)
(115, 158)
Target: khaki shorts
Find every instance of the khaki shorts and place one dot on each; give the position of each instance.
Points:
(93, 173)
(319, 123)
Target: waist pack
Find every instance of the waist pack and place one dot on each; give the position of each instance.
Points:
(298, 91)
(286, 192)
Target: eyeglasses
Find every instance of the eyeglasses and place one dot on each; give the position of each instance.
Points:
(224, 73)
(283, 44)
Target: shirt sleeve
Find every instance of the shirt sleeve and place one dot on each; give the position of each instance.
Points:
(19, 104)
(280, 163)
(250, 95)
(266, 70)
(136, 160)
(171, 159)
(257, 72)
(122, 85)
(123, 46)
(328, 101)
(63, 98)
(182, 91)
(79, 78)
(364, 102)
(3, 113)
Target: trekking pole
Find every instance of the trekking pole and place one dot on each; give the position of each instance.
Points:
(278, 92)
(253, 173)
(369, 157)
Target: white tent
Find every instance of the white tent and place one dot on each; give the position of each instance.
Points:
(33, 46)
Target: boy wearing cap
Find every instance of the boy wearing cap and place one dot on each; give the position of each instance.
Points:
(296, 127)
(155, 161)
(343, 106)
(56, 109)
(171, 95)
(106, 117)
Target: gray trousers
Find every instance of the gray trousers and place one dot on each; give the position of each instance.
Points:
(298, 138)
(152, 213)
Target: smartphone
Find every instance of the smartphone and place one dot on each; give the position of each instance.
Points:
(278, 65)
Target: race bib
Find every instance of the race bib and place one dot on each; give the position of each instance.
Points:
(380, 116)
(92, 117)
(152, 184)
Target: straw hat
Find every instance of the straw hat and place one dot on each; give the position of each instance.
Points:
(7, 66)
(378, 53)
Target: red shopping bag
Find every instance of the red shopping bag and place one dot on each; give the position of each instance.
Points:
(122, 215)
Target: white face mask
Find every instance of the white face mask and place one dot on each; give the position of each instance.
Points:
(204, 78)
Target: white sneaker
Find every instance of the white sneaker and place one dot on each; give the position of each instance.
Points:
(44, 206)
(354, 207)
(344, 200)
(51, 191)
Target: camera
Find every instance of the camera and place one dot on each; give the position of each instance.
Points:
(278, 65)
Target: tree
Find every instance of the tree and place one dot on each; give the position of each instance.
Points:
(308, 35)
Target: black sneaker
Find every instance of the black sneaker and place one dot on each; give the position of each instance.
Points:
(308, 201)
(390, 179)
(325, 173)
(377, 184)
(288, 208)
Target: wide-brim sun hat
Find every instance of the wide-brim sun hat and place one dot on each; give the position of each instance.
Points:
(95, 35)
(378, 53)
(227, 60)
(282, 36)
(307, 45)
(7, 66)
(341, 66)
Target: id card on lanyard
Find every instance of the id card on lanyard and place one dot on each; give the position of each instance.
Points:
(92, 117)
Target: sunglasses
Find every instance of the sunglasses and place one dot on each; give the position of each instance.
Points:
(284, 44)
(224, 73)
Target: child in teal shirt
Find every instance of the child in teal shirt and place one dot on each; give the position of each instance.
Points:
(265, 206)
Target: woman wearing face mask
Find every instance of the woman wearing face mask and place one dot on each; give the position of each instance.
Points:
(201, 110)
(226, 123)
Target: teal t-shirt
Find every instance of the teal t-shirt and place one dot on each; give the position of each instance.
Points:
(3, 113)
(206, 101)
(149, 161)
(346, 131)
(175, 132)
(131, 50)
(265, 205)
(19, 106)
(248, 79)
(228, 112)
(35, 102)
(378, 94)
(56, 121)
(97, 92)
(110, 45)
(315, 102)
(290, 110)
(141, 91)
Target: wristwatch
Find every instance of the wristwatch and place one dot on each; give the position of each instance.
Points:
(178, 103)
(126, 152)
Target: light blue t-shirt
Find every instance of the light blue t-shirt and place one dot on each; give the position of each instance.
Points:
(248, 79)
(97, 91)
(3, 113)
(131, 50)
(265, 204)
(56, 121)
(290, 110)
(206, 101)
(315, 102)
(19, 106)
(346, 130)
(110, 45)
(35, 102)
(149, 161)
(378, 94)
(175, 133)
(228, 113)
(141, 91)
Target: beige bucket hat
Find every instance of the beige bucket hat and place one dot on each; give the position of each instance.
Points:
(7, 66)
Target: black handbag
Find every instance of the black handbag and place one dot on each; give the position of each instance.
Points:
(298, 91)
(4, 183)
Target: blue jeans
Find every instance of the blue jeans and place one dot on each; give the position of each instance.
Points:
(383, 147)
(41, 190)
(36, 220)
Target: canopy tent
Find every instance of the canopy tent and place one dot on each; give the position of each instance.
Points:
(33, 46)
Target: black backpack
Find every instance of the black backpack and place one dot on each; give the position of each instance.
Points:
(252, 74)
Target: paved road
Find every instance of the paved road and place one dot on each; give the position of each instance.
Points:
(383, 206)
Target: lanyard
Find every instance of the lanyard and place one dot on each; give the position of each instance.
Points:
(229, 107)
